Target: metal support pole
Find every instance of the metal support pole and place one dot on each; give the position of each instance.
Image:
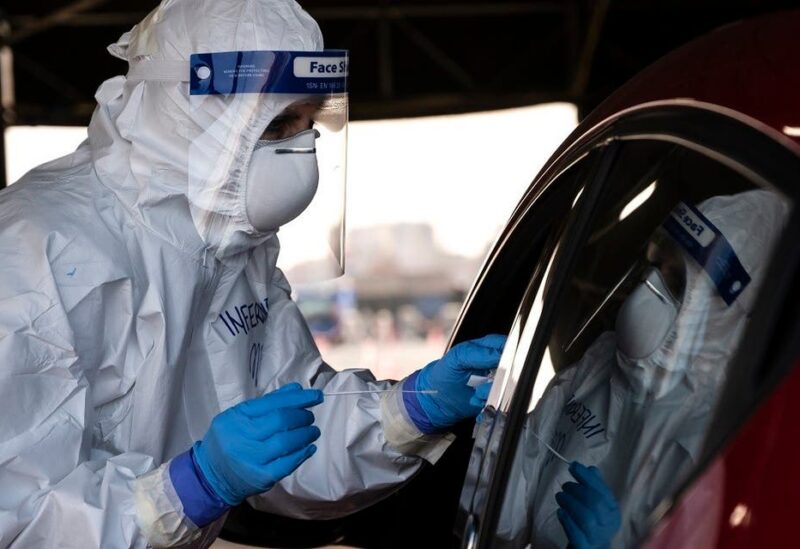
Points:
(76, 15)
(58, 17)
(583, 70)
(437, 55)
(3, 170)
(6, 96)
(385, 69)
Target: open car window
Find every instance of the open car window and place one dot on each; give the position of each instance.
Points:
(645, 326)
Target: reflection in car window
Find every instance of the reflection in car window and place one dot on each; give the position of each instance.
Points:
(654, 309)
(537, 229)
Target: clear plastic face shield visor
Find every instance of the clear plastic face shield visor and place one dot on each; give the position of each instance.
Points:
(657, 282)
(296, 105)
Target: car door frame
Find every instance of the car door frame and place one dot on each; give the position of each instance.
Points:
(730, 138)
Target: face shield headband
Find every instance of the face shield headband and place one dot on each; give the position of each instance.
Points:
(708, 247)
(283, 72)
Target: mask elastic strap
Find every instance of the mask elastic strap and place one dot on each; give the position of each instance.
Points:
(659, 294)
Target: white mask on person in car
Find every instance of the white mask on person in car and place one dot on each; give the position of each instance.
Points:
(646, 317)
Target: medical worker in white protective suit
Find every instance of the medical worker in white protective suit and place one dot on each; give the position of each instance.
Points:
(632, 413)
(153, 363)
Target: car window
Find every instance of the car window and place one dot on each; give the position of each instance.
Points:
(654, 306)
(541, 228)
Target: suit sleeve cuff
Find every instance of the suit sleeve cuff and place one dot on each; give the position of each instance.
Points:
(402, 432)
(159, 511)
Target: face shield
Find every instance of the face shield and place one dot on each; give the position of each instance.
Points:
(272, 150)
(671, 298)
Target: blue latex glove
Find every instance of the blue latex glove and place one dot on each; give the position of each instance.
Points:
(588, 510)
(448, 376)
(481, 395)
(251, 446)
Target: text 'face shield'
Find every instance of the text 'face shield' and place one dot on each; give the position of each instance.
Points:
(296, 104)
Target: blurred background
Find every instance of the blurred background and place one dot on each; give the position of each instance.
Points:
(455, 106)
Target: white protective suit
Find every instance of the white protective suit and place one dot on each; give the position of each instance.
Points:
(137, 302)
(642, 423)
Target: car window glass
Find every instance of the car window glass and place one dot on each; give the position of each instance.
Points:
(654, 308)
(563, 200)
(539, 228)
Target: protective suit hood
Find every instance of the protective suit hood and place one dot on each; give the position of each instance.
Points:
(707, 330)
(179, 163)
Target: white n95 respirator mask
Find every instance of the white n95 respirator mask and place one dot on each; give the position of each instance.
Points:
(646, 317)
(282, 180)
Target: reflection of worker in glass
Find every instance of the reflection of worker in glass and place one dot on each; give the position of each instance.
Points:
(631, 415)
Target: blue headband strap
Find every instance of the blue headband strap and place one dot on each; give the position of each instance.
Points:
(707, 245)
(291, 72)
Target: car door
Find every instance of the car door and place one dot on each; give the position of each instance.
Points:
(643, 199)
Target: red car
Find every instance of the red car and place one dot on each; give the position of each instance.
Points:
(719, 117)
